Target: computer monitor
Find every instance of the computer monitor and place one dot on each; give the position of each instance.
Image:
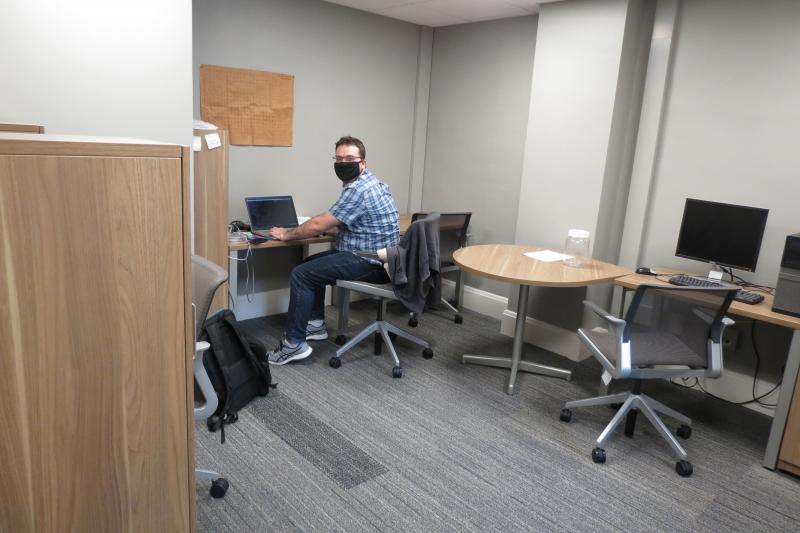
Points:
(724, 234)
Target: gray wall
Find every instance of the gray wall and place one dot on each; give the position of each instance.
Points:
(479, 96)
(87, 67)
(575, 147)
(731, 124)
(355, 73)
(730, 128)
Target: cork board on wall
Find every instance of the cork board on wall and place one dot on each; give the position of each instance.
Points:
(256, 107)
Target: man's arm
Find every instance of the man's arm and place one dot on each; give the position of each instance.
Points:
(312, 227)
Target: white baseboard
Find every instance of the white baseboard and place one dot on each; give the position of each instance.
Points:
(552, 338)
(538, 333)
(266, 303)
(483, 302)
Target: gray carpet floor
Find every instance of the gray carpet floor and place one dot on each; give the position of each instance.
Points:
(444, 448)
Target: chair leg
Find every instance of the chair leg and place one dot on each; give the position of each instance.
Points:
(206, 475)
(659, 407)
(600, 400)
(662, 429)
(449, 305)
(630, 423)
(383, 328)
(408, 336)
(343, 303)
(616, 421)
(459, 296)
(363, 334)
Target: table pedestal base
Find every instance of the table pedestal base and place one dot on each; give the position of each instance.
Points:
(515, 362)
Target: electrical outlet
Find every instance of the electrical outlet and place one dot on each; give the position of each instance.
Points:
(730, 339)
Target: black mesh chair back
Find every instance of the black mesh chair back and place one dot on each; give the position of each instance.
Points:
(673, 325)
(452, 234)
(206, 279)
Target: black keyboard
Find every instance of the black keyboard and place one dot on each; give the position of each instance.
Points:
(747, 297)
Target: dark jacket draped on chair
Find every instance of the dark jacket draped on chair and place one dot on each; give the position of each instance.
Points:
(414, 265)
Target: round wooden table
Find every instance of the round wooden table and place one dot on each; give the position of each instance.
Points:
(507, 262)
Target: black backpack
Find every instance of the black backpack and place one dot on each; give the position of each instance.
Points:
(237, 367)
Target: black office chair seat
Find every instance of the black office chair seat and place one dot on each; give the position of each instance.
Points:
(649, 349)
(448, 266)
(380, 290)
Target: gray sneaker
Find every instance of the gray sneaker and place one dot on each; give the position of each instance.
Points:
(316, 333)
(285, 354)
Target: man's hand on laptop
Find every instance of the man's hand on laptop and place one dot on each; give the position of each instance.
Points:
(278, 233)
(310, 228)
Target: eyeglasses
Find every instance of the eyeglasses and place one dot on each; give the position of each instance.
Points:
(347, 159)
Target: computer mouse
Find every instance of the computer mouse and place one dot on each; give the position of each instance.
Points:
(646, 270)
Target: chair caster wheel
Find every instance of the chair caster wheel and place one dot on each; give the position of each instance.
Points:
(684, 431)
(458, 319)
(218, 488)
(335, 362)
(413, 322)
(427, 353)
(340, 339)
(599, 455)
(566, 415)
(684, 468)
(397, 372)
(214, 422)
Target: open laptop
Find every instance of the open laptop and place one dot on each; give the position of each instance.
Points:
(268, 212)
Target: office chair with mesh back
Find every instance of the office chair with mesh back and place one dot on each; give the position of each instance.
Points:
(452, 236)
(668, 332)
(207, 277)
(384, 331)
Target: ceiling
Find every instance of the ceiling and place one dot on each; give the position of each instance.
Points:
(445, 12)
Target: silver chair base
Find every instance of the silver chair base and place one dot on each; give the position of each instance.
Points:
(640, 402)
(384, 328)
(202, 474)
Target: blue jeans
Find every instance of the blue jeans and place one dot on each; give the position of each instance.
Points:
(309, 278)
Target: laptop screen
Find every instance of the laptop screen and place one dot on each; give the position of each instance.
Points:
(271, 211)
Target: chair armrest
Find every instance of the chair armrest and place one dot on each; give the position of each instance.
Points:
(716, 335)
(617, 329)
(608, 317)
(204, 383)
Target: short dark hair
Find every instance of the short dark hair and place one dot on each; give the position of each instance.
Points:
(352, 141)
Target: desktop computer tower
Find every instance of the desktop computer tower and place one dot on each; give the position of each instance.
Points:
(787, 289)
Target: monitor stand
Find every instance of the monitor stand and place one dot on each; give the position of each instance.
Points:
(715, 273)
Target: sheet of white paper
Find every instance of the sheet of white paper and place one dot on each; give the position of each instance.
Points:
(213, 141)
(197, 143)
(547, 255)
(606, 377)
(202, 125)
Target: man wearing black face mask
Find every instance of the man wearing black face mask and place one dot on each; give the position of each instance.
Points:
(364, 219)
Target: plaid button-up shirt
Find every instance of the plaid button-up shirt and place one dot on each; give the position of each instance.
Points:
(368, 216)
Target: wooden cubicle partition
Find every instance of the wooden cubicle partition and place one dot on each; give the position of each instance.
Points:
(96, 366)
(21, 128)
(211, 205)
(789, 456)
